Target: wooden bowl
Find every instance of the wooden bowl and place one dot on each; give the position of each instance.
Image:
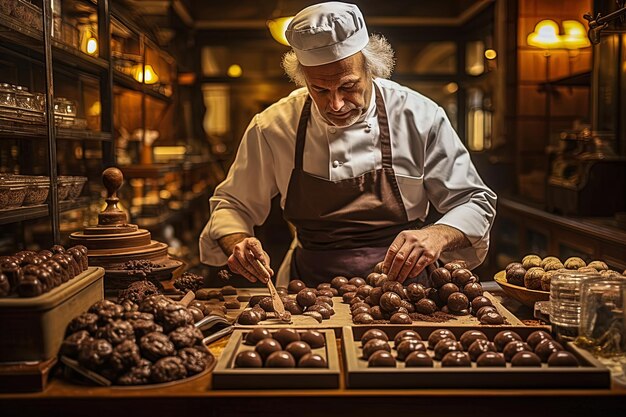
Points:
(521, 294)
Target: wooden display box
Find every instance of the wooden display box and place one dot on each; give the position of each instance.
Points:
(226, 376)
(590, 374)
(33, 329)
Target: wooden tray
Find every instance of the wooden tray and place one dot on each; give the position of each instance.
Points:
(226, 376)
(591, 373)
(521, 294)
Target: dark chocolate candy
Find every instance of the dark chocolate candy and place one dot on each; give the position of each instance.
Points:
(473, 290)
(167, 369)
(298, 349)
(266, 304)
(373, 334)
(381, 359)
(425, 306)
(116, 332)
(156, 345)
(440, 277)
(547, 347)
(314, 338)
(458, 302)
(312, 360)
(337, 282)
(248, 317)
(126, 355)
(194, 360)
(256, 335)
(456, 359)
(461, 277)
(562, 358)
(406, 346)
(138, 375)
(537, 337)
(525, 359)
(492, 318)
(400, 318)
(418, 359)
(267, 346)
(94, 354)
(446, 345)
(480, 346)
(248, 359)
(480, 301)
(438, 335)
(375, 345)
(363, 318)
(504, 337)
(513, 347)
(389, 301)
(491, 359)
(415, 292)
(74, 342)
(295, 286)
(286, 336)
(185, 336)
(86, 321)
(280, 359)
(175, 315)
(470, 336)
(406, 334)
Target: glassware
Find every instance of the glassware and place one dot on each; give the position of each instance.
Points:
(7, 95)
(565, 302)
(24, 98)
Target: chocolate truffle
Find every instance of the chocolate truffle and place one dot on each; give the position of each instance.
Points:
(138, 375)
(513, 347)
(356, 281)
(491, 318)
(389, 301)
(363, 318)
(295, 286)
(377, 313)
(458, 302)
(175, 315)
(374, 345)
(425, 306)
(266, 304)
(461, 277)
(446, 345)
(185, 336)
(516, 275)
(325, 299)
(155, 346)
(325, 312)
(125, 356)
(491, 359)
(470, 336)
(504, 337)
(306, 297)
(409, 307)
(562, 358)
(232, 305)
(298, 349)
(437, 335)
(194, 360)
(545, 348)
(168, 369)
(530, 261)
(347, 297)
(440, 277)
(381, 359)
(256, 335)
(400, 318)
(418, 359)
(525, 359)
(415, 292)
(74, 342)
(116, 332)
(456, 358)
(537, 337)
(473, 290)
(312, 360)
(375, 295)
(337, 282)
(484, 310)
(406, 334)
(280, 359)
(479, 302)
(345, 288)
(267, 346)
(409, 345)
(286, 336)
(480, 346)
(248, 359)
(94, 354)
(373, 334)
(363, 291)
(249, 317)
(394, 286)
(313, 338)
(293, 307)
(106, 311)
(446, 290)
(86, 321)
(360, 310)
(143, 327)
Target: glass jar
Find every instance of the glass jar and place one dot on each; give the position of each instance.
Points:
(565, 302)
(24, 98)
(7, 95)
(602, 318)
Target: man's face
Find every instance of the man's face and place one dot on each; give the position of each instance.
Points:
(341, 90)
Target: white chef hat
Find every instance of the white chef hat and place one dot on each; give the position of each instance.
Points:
(327, 32)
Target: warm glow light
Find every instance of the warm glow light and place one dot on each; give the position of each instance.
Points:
(234, 71)
(151, 76)
(491, 54)
(92, 46)
(278, 27)
(546, 35)
(575, 35)
(452, 87)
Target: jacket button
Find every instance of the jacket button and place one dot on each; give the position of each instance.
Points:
(335, 164)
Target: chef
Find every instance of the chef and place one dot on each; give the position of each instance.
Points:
(357, 160)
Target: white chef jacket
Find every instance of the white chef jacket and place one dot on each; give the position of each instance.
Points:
(431, 164)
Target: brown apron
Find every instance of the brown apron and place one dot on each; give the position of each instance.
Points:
(345, 227)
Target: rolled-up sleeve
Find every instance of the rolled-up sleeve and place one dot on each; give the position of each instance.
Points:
(243, 199)
(454, 188)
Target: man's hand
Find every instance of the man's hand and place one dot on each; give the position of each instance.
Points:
(244, 251)
(414, 250)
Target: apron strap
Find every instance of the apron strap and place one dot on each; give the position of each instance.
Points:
(301, 134)
(383, 125)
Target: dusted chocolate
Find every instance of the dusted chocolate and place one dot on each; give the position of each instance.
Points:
(280, 359)
(94, 354)
(116, 332)
(256, 335)
(389, 301)
(185, 336)
(513, 347)
(381, 359)
(437, 335)
(194, 360)
(138, 375)
(313, 338)
(562, 358)
(86, 321)
(480, 346)
(530, 261)
(440, 277)
(249, 317)
(446, 345)
(267, 346)
(425, 306)
(286, 336)
(74, 342)
(418, 359)
(407, 346)
(298, 349)
(470, 336)
(312, 360)
(125, 356)
(537, 337)
(458, 302)
(374, 345)
(295, 286)
(155, 346)
(504, 337)
(400, 318)
(525, 359)
(248, 359)
(168, 369)
(456, 359)
(373, 334)
(492, 318)
(545, 348)
(406, 334)
(491, 359)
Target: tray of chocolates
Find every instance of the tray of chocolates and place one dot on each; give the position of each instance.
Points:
(471, 357)
(278, 358)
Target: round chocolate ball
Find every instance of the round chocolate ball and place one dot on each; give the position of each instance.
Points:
(378, 268)
(400, 318)
(314, 338)
(371, 278)
(415, 292)
(504, 337)
(266, 304)
(267, 346)
(286, 336)
(458, 302)
(298, 349)
(337, 282)
(461, 277)
(456, 359)
(375, 345)
(446, 290)
(324, 285)
(492, 318)
(325, 299)
(470, 336)
(355, 300)
(295, 286)
(525, 359)
(479, 302)
(409, 345)
(444, 346)
(425, 306)
(347, 297)
(547, 347)
(409, 307)
(356, 281)
(312, 360)
(537, 337)
(480, 346)
(357, 305)
(440, 277)
(363, 318)
(514, 347)
(562, 358)
(491, 359)
(484, 310)
(437, 335)
(363, 291)
(375, 295)
(248, 359)
(360, 310)
(418, 359)
(373, 334)
(406, 334)
(293, 307)
(306, 297)
(256, 335)
(394, 286)
(377, 313)
(473, 290)
(347, 288)
(389, 301)
(325, 312)
(259, 312)
(280, 359)
(249, 317)
(381, 359)
(513, 265)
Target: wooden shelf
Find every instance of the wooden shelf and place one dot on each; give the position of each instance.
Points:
(20, 214)
(17, 130)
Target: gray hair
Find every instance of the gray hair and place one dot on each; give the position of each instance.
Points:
(378, 54)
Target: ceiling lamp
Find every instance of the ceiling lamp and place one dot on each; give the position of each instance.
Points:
(545, 35)
(575, 35)
(277, 28)
(151, 77)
